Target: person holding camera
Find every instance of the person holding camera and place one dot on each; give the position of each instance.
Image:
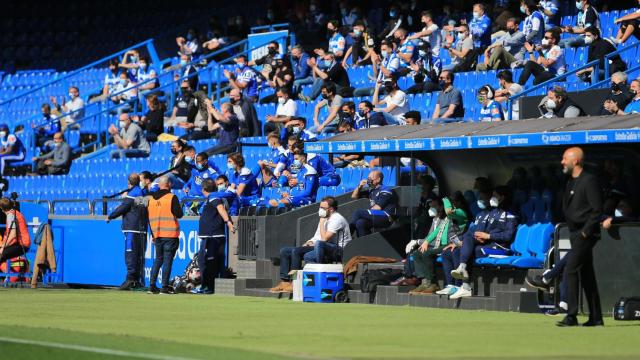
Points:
(16, 240)
(383, 205)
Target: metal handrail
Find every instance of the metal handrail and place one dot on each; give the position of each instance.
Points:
(104, 201)
(607, 58)
(77, 71)
(271, 27)
(38, 202)
(594, 78)
(52, 209)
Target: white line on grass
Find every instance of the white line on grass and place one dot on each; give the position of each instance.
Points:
(92, 349)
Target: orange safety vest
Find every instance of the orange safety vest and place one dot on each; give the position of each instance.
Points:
(22, 231)
(161, 220)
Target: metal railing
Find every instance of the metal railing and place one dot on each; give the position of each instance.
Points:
(52, 209)
(104, 201)
(272, 27)
(607, 65)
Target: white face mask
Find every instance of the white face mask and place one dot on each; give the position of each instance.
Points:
(322, 213)
(481, 204)
(461, 36)
(3, 134)
(618, 213)
(123, 124)
(545, 42)
(494, 202)
(476, 15)
(579, 5)
(281, 100)
(433, 212)
(588, 39)
(550, 104)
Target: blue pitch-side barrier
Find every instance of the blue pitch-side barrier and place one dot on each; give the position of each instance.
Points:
(477, 142)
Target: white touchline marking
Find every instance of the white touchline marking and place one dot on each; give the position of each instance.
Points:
(92, 349)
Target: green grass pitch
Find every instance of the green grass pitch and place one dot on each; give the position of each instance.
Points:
(105, 324)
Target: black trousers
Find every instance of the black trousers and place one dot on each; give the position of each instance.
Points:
(533, 68)
(580, 266)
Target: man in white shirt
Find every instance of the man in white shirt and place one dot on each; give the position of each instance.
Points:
(430, 33)
(125, 94)
(286, 110)
(75, 106)
(326, 245)
(396, 103)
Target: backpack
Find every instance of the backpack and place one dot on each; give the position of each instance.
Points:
(370, 280)
(189, 279)
(627, 309)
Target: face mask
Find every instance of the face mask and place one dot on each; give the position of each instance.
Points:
(579, 5)
(511, 31)
(325, 96)
(189, 37)
(134, 59)
(588, 40)
(343, 12)
(123, 82)
(392, 14)
(388, 88)
(615, 87)
(188, 159)
(142, 187)
(230, 166)
(422, 53)
(312, 8)
(362, 113)
(56, 144)
(3, 134)
(476, 15)
(123, 124)
(297, 164)
(443, 84)
(357, 32)
(222, 188)
(184, 91)
(545, 42)
(200, 166)
(281, 100)
(143, 65)
(327, 63)
(385, 54)
(71, 95)
(523, 9)
(272, 51)
(494, 202)
(183, 62)
(461, 36)
(481, 205)
(240, 65)
(618, 213)
(481, 99)
(322, 213)
(550, 104)
(295, 130)
(433, 212)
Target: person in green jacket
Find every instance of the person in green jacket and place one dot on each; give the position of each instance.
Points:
(449, 223)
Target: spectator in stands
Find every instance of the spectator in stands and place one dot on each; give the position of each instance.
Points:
(304, 184)
(190, 45)
(244, 79)
(337, 43)
(493, 236)
(245, 110)
(268, 61)
(412, 118)
(196, 125)
(406, 49)
(396, 102)
(369, 118)
(389, 66)
(334, 73)
(326, 172)
(225, 123)
(598, 49)
(533, 26)
(200, 171)
(188, 71)
(382, 211)
(243, 182)
(449, 104)
(362, 47)
(430, 33)
(348, 114)
(462, 54)
(508, 88)
(130, 62)
(393, 22)
(550, 62)
(449, 223)
(181, 105)
(135, 221)
(480, 27)
(491, 109)
(227, 194)
(333, 102)
(146, 183)
(74, 107)
(164, 211)
(130, 140)
(558, 104)
(549, 10)
(285, 111)
(629, 25)
(302, 73)
(633, 107)
(12, 149)
(507, 51)
(587, 17)
(50, 125)
(111, 81)
(216, 40)
(331, 236)
(125, 94)
(16, 239)
(57, 161)
(276, 164)
(426, 70)
(152, 122)
(180, 165)
(147, 79)
(620, 94)
(282, 78)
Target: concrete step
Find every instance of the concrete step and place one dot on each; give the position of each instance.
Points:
(238, 286)
(256, 269)
(266, 293)
(517, 301)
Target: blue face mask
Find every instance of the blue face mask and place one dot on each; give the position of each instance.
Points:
(200, 167)
(482, 205)
(222, 188)
(230, 166)
(295, 130)
(183, 62)
(297, 164)
(422, 53)
(142, 186)
(188, 159)
(134, 59)
(392, 14)
(240, 66)
(327, 63)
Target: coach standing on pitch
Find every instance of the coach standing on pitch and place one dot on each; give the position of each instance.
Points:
(582, 207)
(164, 212)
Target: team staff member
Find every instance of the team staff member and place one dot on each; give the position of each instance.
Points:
(212, 238)
(164, 212)
(383, 206)
(134, 227)
(16, 240)
(582, 207)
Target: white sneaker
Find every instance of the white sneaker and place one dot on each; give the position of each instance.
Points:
(460, 274)
(460, 293)
(448, 290)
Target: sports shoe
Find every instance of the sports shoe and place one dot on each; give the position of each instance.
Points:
(419, 290)
(153, 290)
(283, 286)
(557, 311)
(166, 291)
(460, 293)
(568, 321)
(448, 290)
(201, 291)
(537, 282)
(127, 285)
(460, 273)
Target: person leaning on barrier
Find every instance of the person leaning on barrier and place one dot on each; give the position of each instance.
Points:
(383, 204)
(558, 104)
(164, 211)
(16, 240)
(57, 161)
(134, 227)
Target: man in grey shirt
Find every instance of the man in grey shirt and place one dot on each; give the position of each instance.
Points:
(449, 104)
(507, 51)
(462, 54)
(130, 141)
(57, 161)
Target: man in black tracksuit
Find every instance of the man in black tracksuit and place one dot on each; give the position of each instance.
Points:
(212, 236)
(582, 207)
(134, 227)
